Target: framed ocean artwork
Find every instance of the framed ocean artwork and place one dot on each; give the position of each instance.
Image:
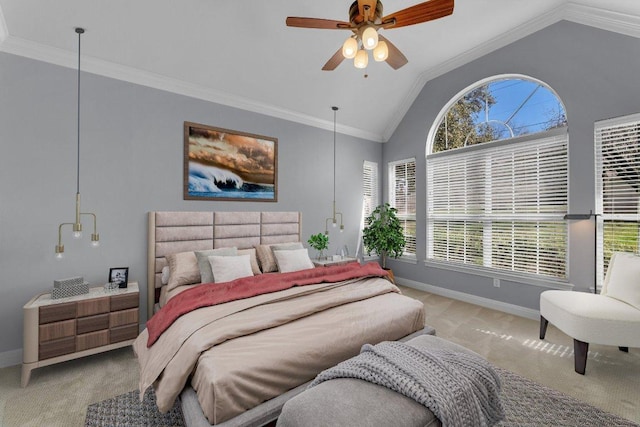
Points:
(223, 164)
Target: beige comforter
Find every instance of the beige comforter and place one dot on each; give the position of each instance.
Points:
(251, 350)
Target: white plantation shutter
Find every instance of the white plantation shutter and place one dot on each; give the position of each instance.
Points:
(402, 196)
(617, 152)
(370, 188)
(501, 205)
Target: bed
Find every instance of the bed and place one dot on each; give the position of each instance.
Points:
(236, 363)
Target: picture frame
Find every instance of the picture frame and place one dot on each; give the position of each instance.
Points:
(223, 164)
(119, 275)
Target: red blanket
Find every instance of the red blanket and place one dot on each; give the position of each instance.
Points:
(210, 294)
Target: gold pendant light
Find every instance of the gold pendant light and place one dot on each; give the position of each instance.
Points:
(77, 225)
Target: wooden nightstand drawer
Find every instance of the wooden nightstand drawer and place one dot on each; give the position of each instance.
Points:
(93, 306)
(92, 323)
(123, 317)
(56, 330)
(53, 313)
(123, 333)
(122, 302)
(92, 340)
(55, 348)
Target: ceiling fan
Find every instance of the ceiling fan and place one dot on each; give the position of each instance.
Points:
(365, 19)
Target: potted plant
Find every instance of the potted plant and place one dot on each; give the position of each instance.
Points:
(383, 233)
(319, 242)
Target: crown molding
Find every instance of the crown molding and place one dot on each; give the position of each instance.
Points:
(604, 19)
(61, 57)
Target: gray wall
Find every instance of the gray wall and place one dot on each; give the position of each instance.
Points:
(595, 73)
(131, 163)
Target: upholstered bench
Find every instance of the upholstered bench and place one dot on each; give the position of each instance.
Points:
(353, 402)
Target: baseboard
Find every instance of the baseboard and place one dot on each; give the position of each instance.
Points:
(10, 358)
(516, 310)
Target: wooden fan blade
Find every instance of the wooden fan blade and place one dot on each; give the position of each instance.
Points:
(334, 61)
(325, 24)
(396, 59)
(423, 12)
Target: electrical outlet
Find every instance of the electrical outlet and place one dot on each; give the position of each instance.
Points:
(496, 283)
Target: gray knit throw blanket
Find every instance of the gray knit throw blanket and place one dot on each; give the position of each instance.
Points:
(461, 389)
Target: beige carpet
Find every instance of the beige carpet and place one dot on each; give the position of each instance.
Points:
(59, 395)
(612, 380)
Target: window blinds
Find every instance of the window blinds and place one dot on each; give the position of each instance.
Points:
(617, 153)
(370, 188)
(500, 207)
(402, 196)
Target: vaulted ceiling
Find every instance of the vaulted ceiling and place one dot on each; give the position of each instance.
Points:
(241, 54)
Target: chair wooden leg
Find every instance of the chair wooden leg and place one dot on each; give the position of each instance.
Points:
(580, 350)
(625, 349)
(543, 327)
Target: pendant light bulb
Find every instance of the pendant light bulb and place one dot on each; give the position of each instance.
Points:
(350, 48)
(369, 38)
(361, 60)
(59, 252)
(381, 52)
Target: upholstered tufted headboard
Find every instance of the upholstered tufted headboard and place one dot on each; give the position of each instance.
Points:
(171, 232)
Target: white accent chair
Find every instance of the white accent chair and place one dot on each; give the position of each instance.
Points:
(609, 318)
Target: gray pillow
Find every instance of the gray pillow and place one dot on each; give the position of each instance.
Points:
(206, 275)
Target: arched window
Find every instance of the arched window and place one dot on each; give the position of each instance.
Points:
(497, 159)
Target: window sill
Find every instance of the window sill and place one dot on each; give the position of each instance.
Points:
(405, 259)
(496, 274)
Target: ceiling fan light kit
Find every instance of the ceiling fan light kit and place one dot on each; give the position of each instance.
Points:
(381, 52)
(365, 20)
(350, 48)
(361, 60)
(369, 37)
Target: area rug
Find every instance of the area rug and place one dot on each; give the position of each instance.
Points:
(525, 402)
(127, 410)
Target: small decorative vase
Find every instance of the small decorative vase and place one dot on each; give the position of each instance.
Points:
(321, 255)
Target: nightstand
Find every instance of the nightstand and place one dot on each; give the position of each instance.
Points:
(328, 262)
(57, 330)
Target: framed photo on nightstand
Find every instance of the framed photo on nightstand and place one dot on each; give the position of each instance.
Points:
(119, 275)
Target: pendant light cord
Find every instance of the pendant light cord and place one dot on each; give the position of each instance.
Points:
(79, 31)
(335, 109)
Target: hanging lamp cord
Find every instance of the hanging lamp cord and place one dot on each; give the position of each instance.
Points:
(79, 31)
(335, 109)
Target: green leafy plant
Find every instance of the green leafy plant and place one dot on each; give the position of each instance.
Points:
(383, 233)
(319, 242)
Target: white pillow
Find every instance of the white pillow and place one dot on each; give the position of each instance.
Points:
(228, 268)
(206, 276)
(166, 272)
(293, 260)
(623, 280)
